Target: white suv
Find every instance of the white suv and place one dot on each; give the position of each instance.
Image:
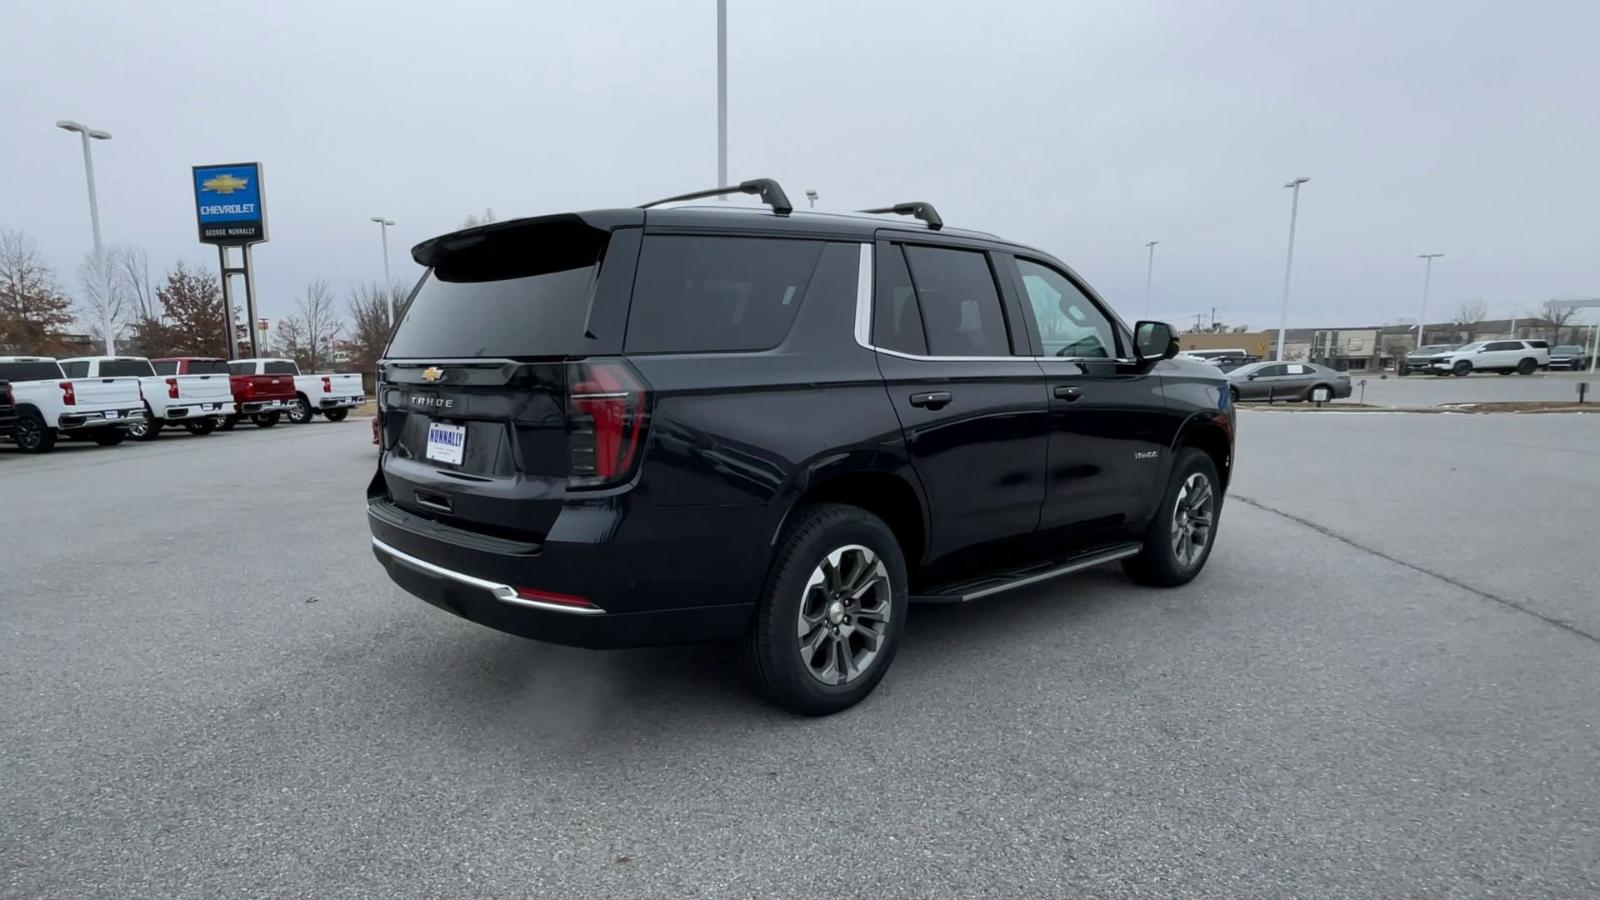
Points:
(1505, 357)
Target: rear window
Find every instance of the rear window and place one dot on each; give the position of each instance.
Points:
(717, 294)
(278, 368)
(124, 368)
(30, 371)
(75, 369)
(164, 368)
(205, 367)
(521, 291)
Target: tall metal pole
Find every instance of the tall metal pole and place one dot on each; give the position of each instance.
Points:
(230, 344)
(1288, 266)
(722, 93)
(86, 133)
(1149, 274)
(1427, 274)
(250, 303)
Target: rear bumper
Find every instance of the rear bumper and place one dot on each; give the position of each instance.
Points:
(685, 584)
(75, 421)
(340, 402)
(183, 412)
(252, 407)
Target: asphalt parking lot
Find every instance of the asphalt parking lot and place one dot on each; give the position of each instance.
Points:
(1386, 684)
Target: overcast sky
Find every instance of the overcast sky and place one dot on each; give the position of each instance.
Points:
(1471, 128)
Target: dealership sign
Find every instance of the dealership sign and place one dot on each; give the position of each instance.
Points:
(229, 204)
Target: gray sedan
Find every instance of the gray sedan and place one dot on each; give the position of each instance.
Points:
(1286, 381)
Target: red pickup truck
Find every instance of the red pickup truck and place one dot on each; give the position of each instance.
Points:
(263, 398)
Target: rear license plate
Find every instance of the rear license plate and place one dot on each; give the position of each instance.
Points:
(446, 443)
(109, 414)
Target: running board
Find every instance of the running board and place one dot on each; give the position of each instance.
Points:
(977, 588)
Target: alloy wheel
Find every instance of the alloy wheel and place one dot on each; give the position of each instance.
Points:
(299, 412)
(1192, 518)
(844, 614)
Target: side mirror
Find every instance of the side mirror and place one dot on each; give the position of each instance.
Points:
(1154, 341)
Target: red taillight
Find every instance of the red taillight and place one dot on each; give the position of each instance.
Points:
(327, 384)
(249, 387)
(172, 388)
(555, 598)
(607, 412)
(68, 395)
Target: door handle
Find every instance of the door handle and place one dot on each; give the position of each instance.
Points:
(931, 399)
(1069, 393)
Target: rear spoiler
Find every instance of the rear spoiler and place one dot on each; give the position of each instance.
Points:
(430, 252)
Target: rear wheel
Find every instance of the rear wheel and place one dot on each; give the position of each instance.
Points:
(1527, 367)
(32, 435)
(829, 622)
(109, 437)
(336, 415)
(266, 420)
(146, 429)
(1178, 541)
(1233, 394)
(228, 422)
(299, 411)
(200, 426)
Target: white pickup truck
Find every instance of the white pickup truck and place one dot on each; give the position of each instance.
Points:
(197, 402)
(50, 405)
(332, 396)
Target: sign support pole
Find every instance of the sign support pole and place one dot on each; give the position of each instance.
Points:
(250, 302)
(230, 341)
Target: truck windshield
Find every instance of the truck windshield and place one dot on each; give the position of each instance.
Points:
(207, 367)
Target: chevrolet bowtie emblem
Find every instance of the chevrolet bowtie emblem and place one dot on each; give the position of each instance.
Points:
(224, 183)
(432, 374)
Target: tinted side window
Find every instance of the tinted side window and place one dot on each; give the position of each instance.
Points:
(1266, 371)
(896, 321)
(1539, 345)
(278, 368)
(717, 294)
(75, 369)
(960, 305)
(1503, 345)
(241, 368)
(1069, 323)
(165, 368)
(207, 367)
(30, 371)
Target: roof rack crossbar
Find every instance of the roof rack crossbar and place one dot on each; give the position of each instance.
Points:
(766, 188)
(916, 209)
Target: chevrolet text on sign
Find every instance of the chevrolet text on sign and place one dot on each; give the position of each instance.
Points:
(228, 204)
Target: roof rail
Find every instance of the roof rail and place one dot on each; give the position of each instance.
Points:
(767, 189)
(916, 209)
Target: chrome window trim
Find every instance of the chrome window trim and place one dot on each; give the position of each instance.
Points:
(863, 327)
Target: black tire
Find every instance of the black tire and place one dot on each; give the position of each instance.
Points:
(266, 420)
(299, 411)
(1527, 367)
(1505, 372)
(228, 422)
(1158, 563)
(109, 437)
(148, 430)
(1233, 393)
(336, 415)
(199, 427)
(1461, 368)
(772, 653)
(32, 435)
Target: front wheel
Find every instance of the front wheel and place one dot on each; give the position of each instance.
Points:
(266, 420)
(336, 415)
(830, 620)
(1461, 368)
(109, 437)
(1527, 367)
(32, 435)
(299, 412)
(1178, 541)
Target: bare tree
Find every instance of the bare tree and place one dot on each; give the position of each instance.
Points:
(34, 313)
(473, 220)
(321, 321)
(1469, 316)
(289, 340)
(372, 319)
(104, 307)
(134, 268)
(1559, 318)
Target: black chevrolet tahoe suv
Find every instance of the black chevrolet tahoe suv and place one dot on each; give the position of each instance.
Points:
(644, 426)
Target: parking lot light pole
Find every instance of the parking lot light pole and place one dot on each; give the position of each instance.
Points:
(1288, 266)
(1427, 273)
(1149, 275)
(87, 133)
(722, 94)
(383, 226)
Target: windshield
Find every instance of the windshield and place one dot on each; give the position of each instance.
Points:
(122, 368)
(1472, 346)
(1567, 349)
